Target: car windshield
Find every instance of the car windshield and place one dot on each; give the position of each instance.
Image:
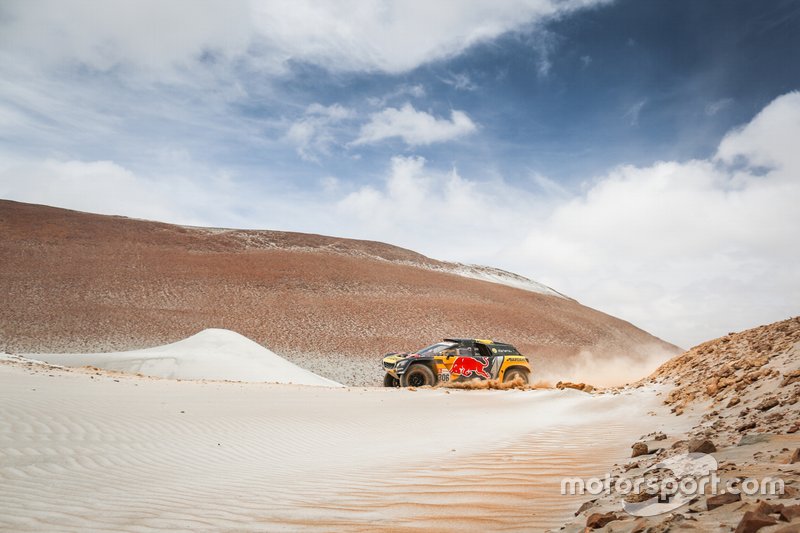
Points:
(435, 349)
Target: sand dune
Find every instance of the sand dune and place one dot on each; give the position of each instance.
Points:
(212, 354)
(88, 450)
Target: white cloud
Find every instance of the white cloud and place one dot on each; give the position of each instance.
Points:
(686, 250)
(329, 184)
(770, 139)
(439, 213)
(147, 34)
(415, 91)
(107, 188)
(315, 133)
(391, 36)
(460, 81)
(414, 127)
(543, 43)
(633, 112)
(718, 105)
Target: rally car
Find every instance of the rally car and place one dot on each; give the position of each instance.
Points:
(456, 360)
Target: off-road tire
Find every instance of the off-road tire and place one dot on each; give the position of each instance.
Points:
(514, 373)
(390, 381)
(418, 375)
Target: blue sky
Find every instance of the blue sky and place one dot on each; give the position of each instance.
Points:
(628, 153)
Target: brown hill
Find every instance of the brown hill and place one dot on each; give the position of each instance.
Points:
(76, 282)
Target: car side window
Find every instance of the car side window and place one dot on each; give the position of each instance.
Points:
(484, 350)
(465, 352)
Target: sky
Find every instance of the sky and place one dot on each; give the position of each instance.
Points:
(640, 156)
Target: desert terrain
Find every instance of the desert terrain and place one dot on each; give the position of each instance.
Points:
(400, 266)
(118, 450)
(157, 377)
(742, 392)
(85, 449)
(77, 282)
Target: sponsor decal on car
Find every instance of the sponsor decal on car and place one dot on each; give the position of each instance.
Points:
(469, 366)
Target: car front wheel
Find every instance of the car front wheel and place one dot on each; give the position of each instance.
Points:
(418, 376)
(515, 373)
(390, 381)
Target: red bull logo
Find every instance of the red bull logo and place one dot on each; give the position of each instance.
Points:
(470, 366)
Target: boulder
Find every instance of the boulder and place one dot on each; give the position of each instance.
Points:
(767, 404)
(790, 377)
(758, 362)
(790, 512)
(744, 427)
(767, 508)
(724, 371)
(752, 522)
(585, 387)
(701, 446)
(598, 520)
(639, 448)
(795, 457)
(722, 499)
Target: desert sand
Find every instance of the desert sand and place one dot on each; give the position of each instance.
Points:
(89, 449)
(84, 448)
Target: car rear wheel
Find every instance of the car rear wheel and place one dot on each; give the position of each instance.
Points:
(515, 373)
(390, 381)
(418, 376)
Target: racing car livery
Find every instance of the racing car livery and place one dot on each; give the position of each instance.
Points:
(455, 360)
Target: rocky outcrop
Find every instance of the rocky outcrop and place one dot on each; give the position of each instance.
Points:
(741, 392)
(751, 380)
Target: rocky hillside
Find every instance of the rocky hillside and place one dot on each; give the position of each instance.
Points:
(755, 373)
(741, 396)
(77, 282)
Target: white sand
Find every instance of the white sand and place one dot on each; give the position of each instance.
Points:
(503, 277)
(214, 354)
(80, 450)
